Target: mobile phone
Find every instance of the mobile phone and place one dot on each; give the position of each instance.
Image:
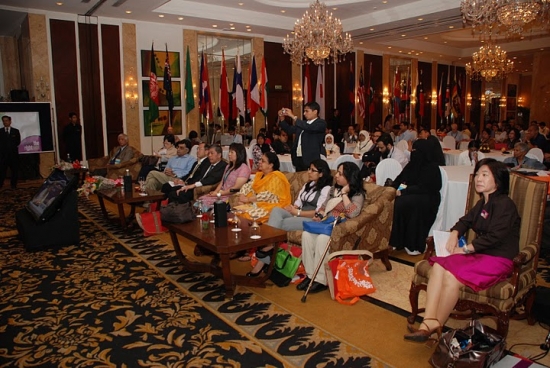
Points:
(283, 111)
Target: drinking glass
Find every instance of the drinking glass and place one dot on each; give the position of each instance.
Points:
(255, 228)
(235, 212)
(141, 181)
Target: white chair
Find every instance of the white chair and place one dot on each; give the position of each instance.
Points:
(536, 153)
(464, 158)
(252, 143)
(449, 142)
(387, 168)
(194, 149)
(402, 145)
(343, 158)
(438, 223)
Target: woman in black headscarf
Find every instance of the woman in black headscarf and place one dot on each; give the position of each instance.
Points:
(417, 200)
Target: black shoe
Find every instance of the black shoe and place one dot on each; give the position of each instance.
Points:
(256, 274)
(264, 253)
(317, 287)
(303, 284)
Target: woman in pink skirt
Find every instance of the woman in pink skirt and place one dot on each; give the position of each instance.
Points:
(487, 260)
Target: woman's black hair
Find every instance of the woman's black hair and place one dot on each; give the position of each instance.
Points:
(475, 143)
(170, 138)
(500, 172)
(351, 173)
(240, 151)
(260, 135)
(488, 131)
(272, 158)
(193, 135)
(324, 179)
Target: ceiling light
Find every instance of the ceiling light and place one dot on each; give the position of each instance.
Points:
(283, 11)
(334, 8)
(425, 38)
(232, 28)
(403, 35)
(249, 29)
(389, 47)
(361, 42)
(317, 36)
(231, 24)
(247, 26)
(451, 27)
(180, 18)
(384, 2)
(241, 4)
(59, 3)
(128, 12)
(161, 15)
(420, 18)
(372, 29)
(214, 25)
(489, 62)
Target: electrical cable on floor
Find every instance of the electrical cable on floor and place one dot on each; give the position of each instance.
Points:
(544, 346)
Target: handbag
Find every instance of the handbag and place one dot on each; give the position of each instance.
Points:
(286, 263)
(323, 227)
(150, 222)
(178, 213)
(347, 275)
(474, 346)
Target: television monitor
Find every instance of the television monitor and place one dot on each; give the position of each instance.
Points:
(49, 197)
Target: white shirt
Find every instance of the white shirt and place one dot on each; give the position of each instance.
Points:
(398, 155)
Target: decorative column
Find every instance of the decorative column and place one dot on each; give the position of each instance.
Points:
(540, 98)
(129, 66)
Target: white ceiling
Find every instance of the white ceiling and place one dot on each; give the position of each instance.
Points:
(426, 29)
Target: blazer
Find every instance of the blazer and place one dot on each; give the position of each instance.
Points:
(214, 176)
(9, 143)
(126, 155)
(312, 139)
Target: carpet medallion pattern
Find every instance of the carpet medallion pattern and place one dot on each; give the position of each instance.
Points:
(121, 300)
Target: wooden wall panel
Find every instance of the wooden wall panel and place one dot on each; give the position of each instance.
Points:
(110, 44)
(426, 78)
(343, 74)
(91, 90)
(279, 73)
(372, 121)
(65, 74)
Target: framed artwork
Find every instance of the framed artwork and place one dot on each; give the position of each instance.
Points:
(159, 126)
(160, 57)
(176, 91)
(512, 90)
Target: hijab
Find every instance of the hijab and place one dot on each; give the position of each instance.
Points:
(365, 143)
(420, 157)
(329, 146)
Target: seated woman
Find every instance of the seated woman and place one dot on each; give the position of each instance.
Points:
(487, 260)
(346, 198)
(167, 151)
(486, 138)
(269, 189)
(363, 145)
(514, 137)
(290, 218)
(330, 146)
(520, 161)
(417, 200)
(235, 176)
(471, 156)
(259, 149)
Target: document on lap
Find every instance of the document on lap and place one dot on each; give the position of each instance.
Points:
(440, 241)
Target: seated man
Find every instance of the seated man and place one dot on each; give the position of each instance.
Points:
(210, 172)
(196, 171)
(387, 150)
(520, 161)
(177, 167)
(237, 138)
(122, 153)
(404, 133)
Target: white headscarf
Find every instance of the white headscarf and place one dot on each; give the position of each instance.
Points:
(364, 146)
(329, 146)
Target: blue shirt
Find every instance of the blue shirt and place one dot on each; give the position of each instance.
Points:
(407, 135)
(528, 163)
(181, 165)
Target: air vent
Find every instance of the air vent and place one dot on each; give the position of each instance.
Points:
(429, 25)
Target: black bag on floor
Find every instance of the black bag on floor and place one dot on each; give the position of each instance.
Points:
(178, 213)
(279, 279)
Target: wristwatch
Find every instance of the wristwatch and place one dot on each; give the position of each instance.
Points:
(467, 250)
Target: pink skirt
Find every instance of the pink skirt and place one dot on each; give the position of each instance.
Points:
(477, 271)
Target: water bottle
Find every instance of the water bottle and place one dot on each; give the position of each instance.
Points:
(69, 157)
(128, 182)
(462, 241)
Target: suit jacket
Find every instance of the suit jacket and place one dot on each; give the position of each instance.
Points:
(312, 139)
(214, 176)
(9, 143)
(126, 155)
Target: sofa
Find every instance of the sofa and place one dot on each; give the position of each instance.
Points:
(370, 230)
(117, 170)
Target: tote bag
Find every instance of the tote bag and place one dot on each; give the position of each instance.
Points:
(347, 275)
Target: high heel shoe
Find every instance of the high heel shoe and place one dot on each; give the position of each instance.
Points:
(256, 274)
(424, 335)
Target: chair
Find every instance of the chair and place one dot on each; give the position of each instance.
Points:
(387, 168)
(343, 158)
(449, 142)
(402, 145)
(536, 153)
(438, 223)
(503, 299)
(252, 143)
(194, 149)
(117, 170)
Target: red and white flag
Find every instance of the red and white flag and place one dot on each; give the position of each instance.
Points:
(308, 97)
(320, 92)
(361, 94)
(263, 90)
(224, 90)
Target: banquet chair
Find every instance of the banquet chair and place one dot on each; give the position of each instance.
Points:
(388, 168)
(194, 149)
(402, 145)
(535, 153)
(438, 223)
(506, 298)
(343, 158)
(252, 143)
(449, 142)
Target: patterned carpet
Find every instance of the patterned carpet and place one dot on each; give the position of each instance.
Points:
(122, 300)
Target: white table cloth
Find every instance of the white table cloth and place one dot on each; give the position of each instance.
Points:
(451, 156)
(457, 192)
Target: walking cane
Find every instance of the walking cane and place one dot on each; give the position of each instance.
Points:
(320, 264)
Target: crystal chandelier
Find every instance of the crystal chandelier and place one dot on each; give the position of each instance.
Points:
(317, 36)
(514, 14)
(489, 62)
(481, 14)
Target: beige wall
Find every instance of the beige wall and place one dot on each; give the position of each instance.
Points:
(540, 106)
(130, 69)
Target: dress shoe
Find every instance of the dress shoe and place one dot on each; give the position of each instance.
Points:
(256, 274)
(424, 335)
(317, 287)
(303, 284)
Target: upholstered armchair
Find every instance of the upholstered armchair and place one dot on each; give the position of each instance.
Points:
(114, 171)
(503, 299)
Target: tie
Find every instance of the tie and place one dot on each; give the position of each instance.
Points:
(193, 172)
(116, 156)
(207, 171)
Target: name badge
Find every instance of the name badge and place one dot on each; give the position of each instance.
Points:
(484, 214)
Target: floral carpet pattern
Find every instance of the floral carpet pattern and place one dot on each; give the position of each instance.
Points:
(103, 304)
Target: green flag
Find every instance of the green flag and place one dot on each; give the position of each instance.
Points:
(153, 90)
(189, 98)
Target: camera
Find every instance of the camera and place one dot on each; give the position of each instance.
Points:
(283, 111)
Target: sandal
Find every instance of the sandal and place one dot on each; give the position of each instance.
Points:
(425, 335)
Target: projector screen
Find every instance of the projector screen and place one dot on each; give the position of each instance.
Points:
(33, 119)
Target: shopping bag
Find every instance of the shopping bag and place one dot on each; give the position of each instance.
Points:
(337, 269)
(286, 263)
(151, 223)
(474, 346)
(321, 227)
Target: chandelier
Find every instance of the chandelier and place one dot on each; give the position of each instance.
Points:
(317, 36)
(481, 14)
(514, 14)
(490, 63)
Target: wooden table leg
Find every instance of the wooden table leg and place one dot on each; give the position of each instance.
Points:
(228, 280)
(102, 205)
(121, 215)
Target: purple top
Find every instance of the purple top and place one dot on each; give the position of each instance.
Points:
(229, 179)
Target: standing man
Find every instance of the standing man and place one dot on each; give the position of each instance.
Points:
(72, 136)
(10, 138)
(310, 135)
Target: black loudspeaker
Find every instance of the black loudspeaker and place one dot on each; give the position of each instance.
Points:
(541, 307)
(19, 95)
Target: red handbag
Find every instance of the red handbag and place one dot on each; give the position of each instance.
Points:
(348, 277)
(150, 223)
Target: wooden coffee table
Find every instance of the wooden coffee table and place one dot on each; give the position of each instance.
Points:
(119, 197)
(224, 242)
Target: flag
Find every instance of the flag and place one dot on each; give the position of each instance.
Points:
(253, 95)
(361, 94)
(440, 98)
(234, 110)
(263, 90)
(455, 100)
(224, 90)
(239, 91)
(370, 92)
(153, 89)
(189, 98)
(420, 98)
(308, 97)
(205, 100)
(351, 90)
(167, 85)
(396, 93)
(320, 92)
(448, 94)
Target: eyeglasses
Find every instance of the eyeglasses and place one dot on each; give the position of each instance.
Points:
(312, 170)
